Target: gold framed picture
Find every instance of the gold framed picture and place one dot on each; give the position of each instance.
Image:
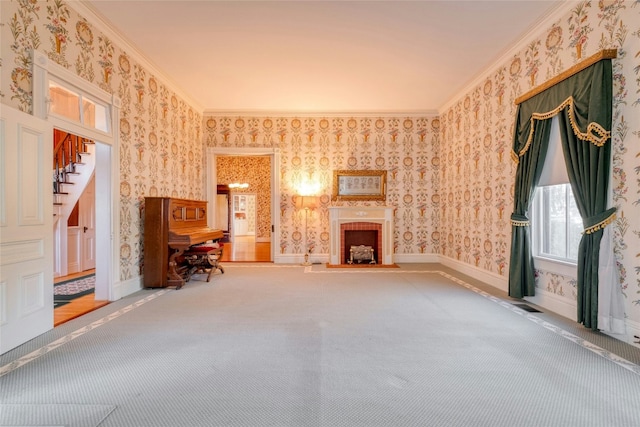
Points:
(359, 184)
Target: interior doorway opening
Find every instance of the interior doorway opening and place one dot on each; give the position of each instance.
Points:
(253, 170)
(79, 286)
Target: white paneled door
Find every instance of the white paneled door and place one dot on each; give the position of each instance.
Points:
(26, 228)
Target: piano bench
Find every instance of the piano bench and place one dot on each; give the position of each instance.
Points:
(203, 259)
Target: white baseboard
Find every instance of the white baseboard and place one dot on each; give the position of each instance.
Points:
(415, 258)
(127, 287)
(632, 331)
(484, 276)
(299, 259)
(287, 259)
(550, 301)
(324, 258)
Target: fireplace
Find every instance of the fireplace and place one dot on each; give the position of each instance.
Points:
(370, 226)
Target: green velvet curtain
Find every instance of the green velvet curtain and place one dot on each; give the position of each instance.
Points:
(584, 104)
(530, 163)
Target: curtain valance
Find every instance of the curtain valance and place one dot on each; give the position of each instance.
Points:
(582, 96)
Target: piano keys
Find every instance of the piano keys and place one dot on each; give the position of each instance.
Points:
(172, 226)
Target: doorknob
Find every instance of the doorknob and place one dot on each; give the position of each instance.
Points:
(85, 229)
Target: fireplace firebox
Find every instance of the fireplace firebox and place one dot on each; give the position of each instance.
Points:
(356, 234)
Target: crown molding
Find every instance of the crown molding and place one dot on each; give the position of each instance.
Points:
(86, 10)
(535, 30)
(349, 114)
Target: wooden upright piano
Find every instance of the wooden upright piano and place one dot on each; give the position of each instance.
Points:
(171, 226)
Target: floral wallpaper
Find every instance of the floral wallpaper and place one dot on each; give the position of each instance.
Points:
(311, 148)
(160, 134)
(477, 174)
(255, 171)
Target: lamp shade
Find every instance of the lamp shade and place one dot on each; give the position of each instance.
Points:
(306, 202)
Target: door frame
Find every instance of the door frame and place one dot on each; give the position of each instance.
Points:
(107, 173)
(212, 179)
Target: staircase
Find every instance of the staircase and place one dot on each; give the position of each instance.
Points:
(73, 165)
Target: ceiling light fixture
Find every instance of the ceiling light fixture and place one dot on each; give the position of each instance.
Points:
(239, 185)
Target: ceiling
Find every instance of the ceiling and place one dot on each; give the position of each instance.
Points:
(322, 56)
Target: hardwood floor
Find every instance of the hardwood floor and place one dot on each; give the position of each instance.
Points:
(246, 249)
(78, 306)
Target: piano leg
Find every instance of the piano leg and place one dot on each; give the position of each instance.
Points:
(173, 278)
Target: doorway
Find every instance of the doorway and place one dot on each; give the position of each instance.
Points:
(55, 90)
(76, 231)
(257, 169)
(243, 243)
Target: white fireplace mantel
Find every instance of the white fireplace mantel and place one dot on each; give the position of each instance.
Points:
(339, 215)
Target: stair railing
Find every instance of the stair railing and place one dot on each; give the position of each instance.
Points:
(67, 154)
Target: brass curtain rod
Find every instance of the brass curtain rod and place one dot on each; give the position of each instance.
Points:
(599, 56)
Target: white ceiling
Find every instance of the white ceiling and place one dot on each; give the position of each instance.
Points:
(322, 56)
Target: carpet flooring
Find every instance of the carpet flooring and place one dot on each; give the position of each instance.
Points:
(270, 345)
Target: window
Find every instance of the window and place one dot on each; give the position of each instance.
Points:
(78, 107)
(557, 225)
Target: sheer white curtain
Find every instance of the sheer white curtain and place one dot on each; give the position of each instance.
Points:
(610, 298)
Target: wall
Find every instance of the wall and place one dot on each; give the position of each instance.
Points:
(477, 173)
(312, 147)
(161, 152)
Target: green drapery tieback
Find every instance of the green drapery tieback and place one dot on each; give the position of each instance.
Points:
(519, 220)
(599, 221)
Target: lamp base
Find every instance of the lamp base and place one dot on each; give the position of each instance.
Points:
(306, 260)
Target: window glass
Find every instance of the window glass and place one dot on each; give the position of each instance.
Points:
(94, 115)
(559, 225)
(64, 102)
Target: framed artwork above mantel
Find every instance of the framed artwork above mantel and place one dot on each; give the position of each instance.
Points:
(359, 184)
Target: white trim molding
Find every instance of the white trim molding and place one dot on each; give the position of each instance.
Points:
(488, 277)
(347, 114)
(127, 287)
(552, 302)
(416, 258)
